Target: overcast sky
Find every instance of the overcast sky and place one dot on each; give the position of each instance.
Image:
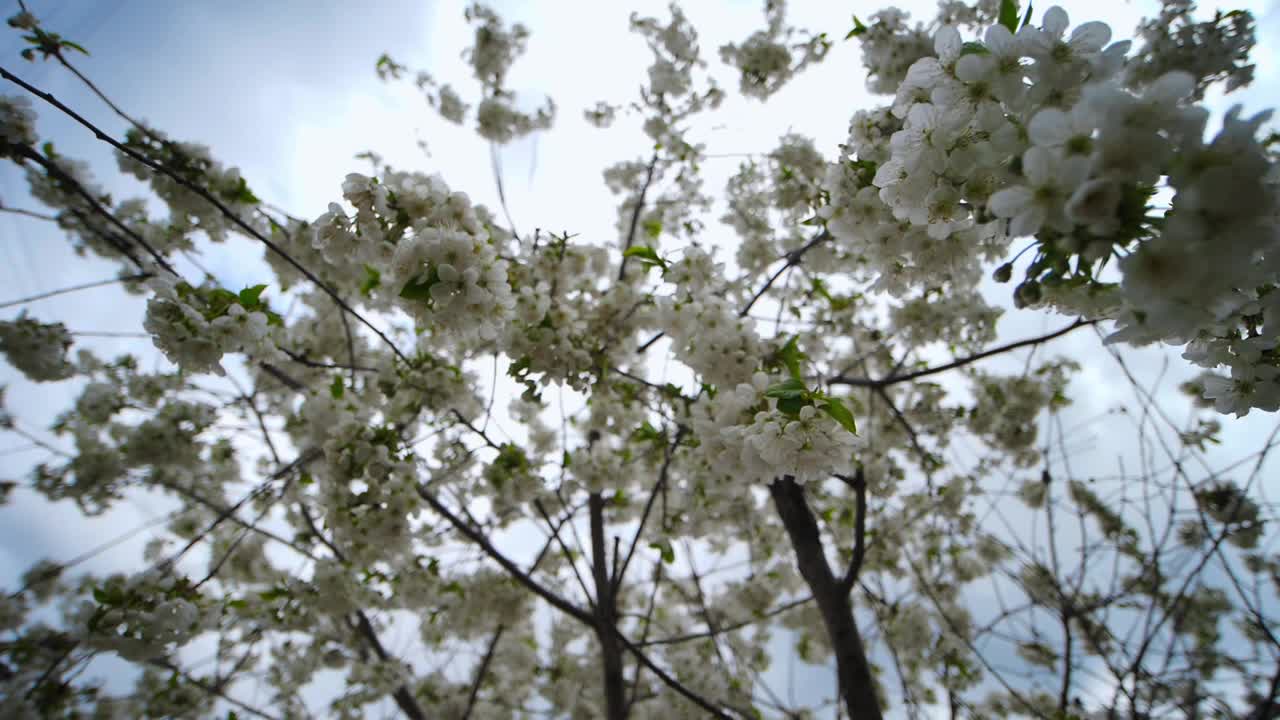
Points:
(286, 91)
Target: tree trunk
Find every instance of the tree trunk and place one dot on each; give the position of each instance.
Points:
(857, 687)
(606, 616)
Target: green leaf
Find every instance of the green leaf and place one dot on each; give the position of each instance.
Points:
(790, 356)
(838, 412)
(665, 550)
(241, 194)
(789, 389)
(858, 29)
(420, 288)
(218, 302)
(337, 388)
(372, 279)
(250, 297)
(653, 228)
(791, 406)
(648, 433)
(274, 593)
(74, 46)
(646, 255)
(1026, 20)
(1009, 14)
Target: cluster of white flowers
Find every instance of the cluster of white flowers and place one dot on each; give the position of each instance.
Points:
(365, 482)
(1216, 50)
(1006, 408)
(450, 105)
(765, 59)
(195, 327)
(168, 437)
(495, 48)
(708, 336)
(92, 478)
(930, 192)
(601, 115)
(890, 47)
(187, 210)
(98, 402)
(567, 323)
(809, 446)
(144, 616)
(454, 282)
(38, 350)
(743, 435)
(961, 319)
(17, 122)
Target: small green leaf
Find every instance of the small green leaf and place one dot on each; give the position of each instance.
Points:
(372, 279)
(420, 288)
(1009, 14)
(789, 389)
(838, 412)
(653, 228)
(250, 297)
(337, 388)
(791, 357)
(1026, 20)
(241, 194)
(74, 46)
(218, 302)
(646, 255)
(858, 29)
(665, 550)
(791, 406)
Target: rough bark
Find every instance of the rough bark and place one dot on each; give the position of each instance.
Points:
(857, 687)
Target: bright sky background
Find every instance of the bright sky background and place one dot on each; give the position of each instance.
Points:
(286, 91)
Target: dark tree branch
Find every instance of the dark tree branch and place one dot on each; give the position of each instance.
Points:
(621, 571)
(853, 672)
(961, 362)
(208, 197)
(792, 258)
(74, 288)
(859, 484)
(482, 671)
(606, 616)
(73, 186)
(635, 216)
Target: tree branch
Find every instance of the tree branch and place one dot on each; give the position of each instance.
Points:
(853, 672)
(961, 362)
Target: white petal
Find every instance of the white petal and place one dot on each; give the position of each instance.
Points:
(947, 43)
(1090, 37)
(1055, 21)
(1039, 165)
(1000, 40)
(1010, 201)
(972, 68)
(1171, 87)
(1071, 171)
(1049, 128)
(1028, 221)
